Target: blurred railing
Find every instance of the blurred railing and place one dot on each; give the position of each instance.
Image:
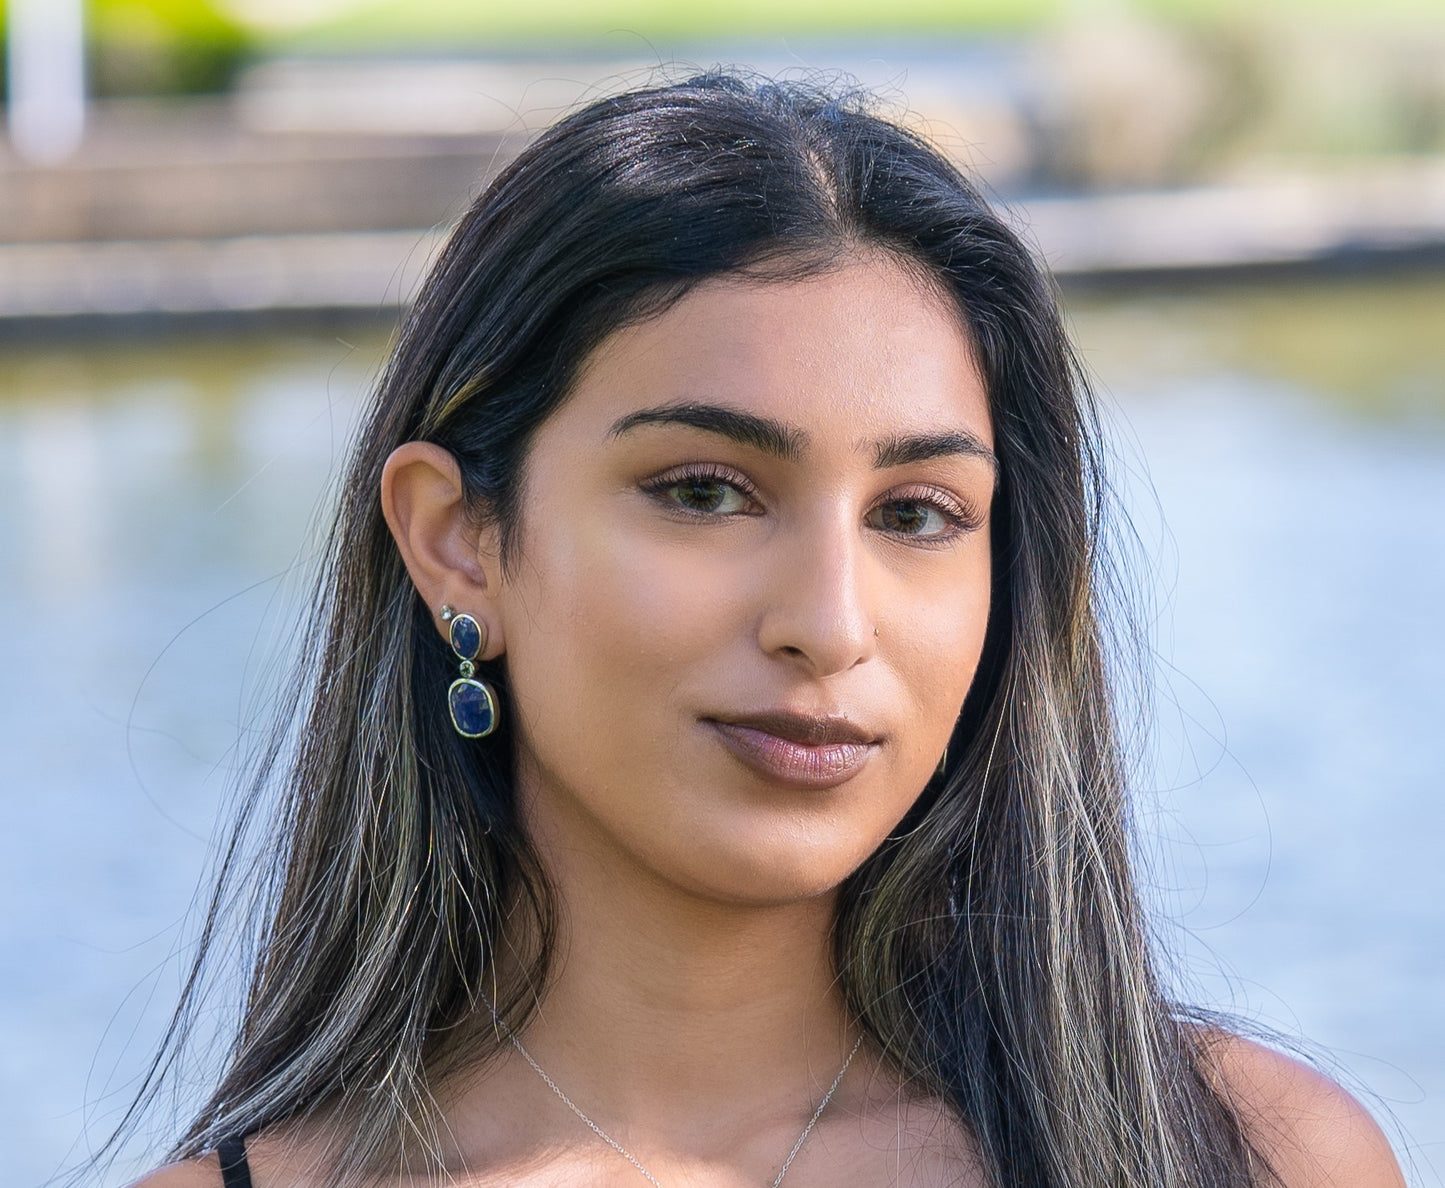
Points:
(327, 186)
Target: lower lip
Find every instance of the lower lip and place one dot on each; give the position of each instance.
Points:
(796, 764)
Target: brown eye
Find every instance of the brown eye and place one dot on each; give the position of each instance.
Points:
(911, 517)
(702, 493)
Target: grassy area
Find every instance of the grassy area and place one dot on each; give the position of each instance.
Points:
(148, 46)
(470, 23)
(436, 21)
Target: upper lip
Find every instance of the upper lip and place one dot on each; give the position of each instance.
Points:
(812, 729)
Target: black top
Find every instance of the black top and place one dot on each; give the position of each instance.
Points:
(235, 1171)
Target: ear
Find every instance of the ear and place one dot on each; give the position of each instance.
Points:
(450, 561)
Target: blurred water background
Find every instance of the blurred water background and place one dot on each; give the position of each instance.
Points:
(200, 267)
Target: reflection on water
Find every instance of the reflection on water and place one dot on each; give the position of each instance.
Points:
(153, 501)
(1283, 456)
(1374, 350)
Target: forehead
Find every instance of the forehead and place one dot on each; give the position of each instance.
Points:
(867, 349)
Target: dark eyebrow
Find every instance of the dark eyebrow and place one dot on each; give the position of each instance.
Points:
(762, 433)
(919, 447)
(788, 443)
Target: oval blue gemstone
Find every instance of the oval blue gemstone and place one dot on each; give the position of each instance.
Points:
(474, 713)
(466, 637)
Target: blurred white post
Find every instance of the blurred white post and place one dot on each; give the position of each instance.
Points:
(46, 71)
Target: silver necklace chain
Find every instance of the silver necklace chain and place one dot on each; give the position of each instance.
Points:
(629, 1156)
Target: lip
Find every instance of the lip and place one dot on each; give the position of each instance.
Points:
(799, 750)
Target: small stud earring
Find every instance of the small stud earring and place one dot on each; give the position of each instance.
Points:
(471, 701)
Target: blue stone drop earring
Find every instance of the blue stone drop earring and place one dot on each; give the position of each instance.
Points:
(471, 701)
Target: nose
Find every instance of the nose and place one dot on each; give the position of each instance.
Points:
(817, 604)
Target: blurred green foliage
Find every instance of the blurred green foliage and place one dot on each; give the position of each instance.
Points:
(160, 47)
(443, 21)
(177, 46)
(475, 25)
(163, 47)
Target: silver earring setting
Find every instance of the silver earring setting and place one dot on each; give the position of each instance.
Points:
(470, 700)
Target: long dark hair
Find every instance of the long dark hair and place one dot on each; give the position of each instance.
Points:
(993, 947)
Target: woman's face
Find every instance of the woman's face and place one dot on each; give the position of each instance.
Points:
(753, 582)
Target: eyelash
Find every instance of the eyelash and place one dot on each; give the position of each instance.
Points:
(961, 519)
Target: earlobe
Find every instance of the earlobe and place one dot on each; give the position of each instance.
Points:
(422, 499)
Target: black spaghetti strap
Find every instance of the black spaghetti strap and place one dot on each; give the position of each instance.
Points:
(235, 1171)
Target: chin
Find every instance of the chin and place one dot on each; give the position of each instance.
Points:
(776, 871)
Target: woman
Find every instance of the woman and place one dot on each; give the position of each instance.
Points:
(708, 772)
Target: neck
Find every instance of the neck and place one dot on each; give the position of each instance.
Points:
(675, 1021)
(662, 995)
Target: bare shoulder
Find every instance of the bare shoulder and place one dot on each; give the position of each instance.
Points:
(1313, 1132)
(204, 1172)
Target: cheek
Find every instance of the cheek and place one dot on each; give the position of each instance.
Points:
(606, 623)
(938, 641)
